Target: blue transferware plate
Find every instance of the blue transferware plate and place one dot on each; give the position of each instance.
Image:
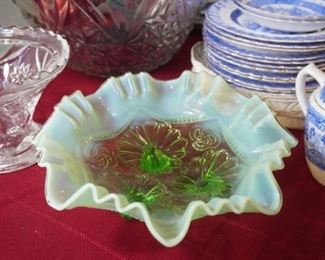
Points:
(225, 15)
(262, 56)
(267, 46)
(279, 75)
(235, 76)
(266, 75)
(297, 16)
(294, 10)
(260, 66)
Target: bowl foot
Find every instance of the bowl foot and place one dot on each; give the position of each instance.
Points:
(22, 156)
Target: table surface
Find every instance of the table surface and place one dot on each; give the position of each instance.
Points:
(30, 229)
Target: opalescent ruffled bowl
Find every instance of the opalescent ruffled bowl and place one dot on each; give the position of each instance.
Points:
(162, 130)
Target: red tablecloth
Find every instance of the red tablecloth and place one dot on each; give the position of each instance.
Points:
(30, 229)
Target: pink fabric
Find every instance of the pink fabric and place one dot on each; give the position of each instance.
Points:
(30, 229)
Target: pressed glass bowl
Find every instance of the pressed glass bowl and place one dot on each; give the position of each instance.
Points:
(116, 36)
(29, 59)
(164, 152)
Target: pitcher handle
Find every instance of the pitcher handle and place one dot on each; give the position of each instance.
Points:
(317, 74)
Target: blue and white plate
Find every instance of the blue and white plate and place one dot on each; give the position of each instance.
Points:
(282, 80)
(288, 15)
(267, 46)
(256, 71)
(263, 67)
(225, 15)
(294, 10)
(237, 49)
(248, 73)
(257, 85)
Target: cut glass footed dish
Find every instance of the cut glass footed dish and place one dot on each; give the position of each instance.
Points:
(164, 152)
(30, 58)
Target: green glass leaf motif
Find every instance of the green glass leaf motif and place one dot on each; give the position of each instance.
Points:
(207, 186)
(154, 148)
(210, 181)
(149, 198)
(153, 160)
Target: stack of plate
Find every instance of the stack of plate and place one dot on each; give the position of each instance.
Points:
(260, 60)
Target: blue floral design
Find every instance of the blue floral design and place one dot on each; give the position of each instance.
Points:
(311, 132)
(322, 94)
(316, 118)
(315, 137)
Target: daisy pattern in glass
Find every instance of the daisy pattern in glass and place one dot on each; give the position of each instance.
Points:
(154, 148)
(209, 175)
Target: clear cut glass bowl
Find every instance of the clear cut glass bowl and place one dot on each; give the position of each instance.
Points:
(29, 59)
(164, 152)
(116, 36)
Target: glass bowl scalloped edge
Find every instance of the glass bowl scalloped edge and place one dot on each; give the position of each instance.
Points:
(257, 191)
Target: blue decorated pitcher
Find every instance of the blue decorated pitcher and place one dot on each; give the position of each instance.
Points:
(314, 111)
